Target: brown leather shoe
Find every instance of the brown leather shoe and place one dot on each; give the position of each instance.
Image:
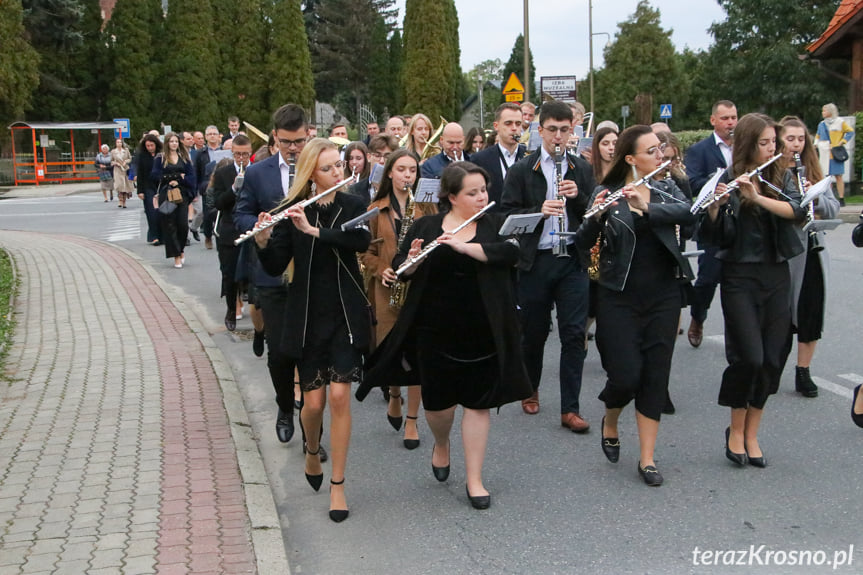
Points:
(531, 404)
(696, 333)
(574, 422)
(208, 243)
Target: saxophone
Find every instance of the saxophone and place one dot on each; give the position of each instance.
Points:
(398, 291)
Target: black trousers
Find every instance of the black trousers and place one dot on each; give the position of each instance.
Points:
(757, 310)
(704, 287)
(635, 334)
(273, 302)
(228, 256)
(174, 229)
(152, 215)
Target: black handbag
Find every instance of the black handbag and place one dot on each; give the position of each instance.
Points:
(167, 208)
(857, 233)
(839, 154)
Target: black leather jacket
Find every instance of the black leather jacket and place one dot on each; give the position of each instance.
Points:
(618, 234)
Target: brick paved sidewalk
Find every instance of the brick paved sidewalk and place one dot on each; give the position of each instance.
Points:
(116, 451)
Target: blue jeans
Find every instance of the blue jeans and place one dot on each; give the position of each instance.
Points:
(561, 282)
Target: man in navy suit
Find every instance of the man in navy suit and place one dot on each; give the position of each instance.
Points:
(498, 159)
(452, 144)
(702, 160)
(266, 184)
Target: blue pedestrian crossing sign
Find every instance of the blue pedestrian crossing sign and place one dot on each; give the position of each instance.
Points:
(665, 111)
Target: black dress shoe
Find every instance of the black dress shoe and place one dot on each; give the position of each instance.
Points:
(803, 383)
(196, 235)
(738, 458)
(440, 473)
(757, 461)
(284, 426)
(857, 418)
(610, 445)
(315, 480)
(258, 343)
(231, 321)
(650, 474)
(411, 443)
(338, 515)
(479, 501)
(396, 422)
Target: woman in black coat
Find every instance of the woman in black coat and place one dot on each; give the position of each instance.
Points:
(458, 333)
(638, 298)
(149, 147)
(327, 327)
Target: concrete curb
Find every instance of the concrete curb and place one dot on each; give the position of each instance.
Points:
(267, 542)
(4, 344)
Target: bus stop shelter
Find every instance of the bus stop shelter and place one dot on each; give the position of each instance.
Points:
(47, 157)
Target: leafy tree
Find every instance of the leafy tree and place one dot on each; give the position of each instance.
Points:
(483, 74)
(287, 64)
(188, 77)
(766, 74)
(134, 28)
(382, 84)
(516, 64)
(641, 69)
(431, 58)
(19, 64)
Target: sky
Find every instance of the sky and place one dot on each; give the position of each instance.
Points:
(559, 29)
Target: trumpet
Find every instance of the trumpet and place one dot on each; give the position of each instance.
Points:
(615, 196)
(559, 247)
(284, 214)
(432, 246)
(709, 200)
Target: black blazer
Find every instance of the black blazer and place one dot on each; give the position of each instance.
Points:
(225, 199)
(702, 159)
(288, 243)
(490, 160)
(202, 158)
(362, 189)
(524, 193)
(434, 166)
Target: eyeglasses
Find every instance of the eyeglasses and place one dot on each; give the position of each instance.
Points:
(288, 143)
(340, 164)
(242, 155)
(384, 156)
(652, 151)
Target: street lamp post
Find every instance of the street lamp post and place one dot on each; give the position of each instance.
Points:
(526, 52)
(591, 34)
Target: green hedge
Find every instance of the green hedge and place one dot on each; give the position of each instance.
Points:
(689, 137)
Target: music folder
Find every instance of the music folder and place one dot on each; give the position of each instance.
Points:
(360, 220)
(519, 224)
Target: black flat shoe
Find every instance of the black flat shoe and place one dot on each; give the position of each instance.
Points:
(411, 443)
(857, 418)
(315, 480)
(440, 473)
(258, 343)
(396, 422)
(196, 235)
(610, 445)
(478, 502)
(338, 515)
(231, 321)
(650, 474)
(284, 426)
(738, 458)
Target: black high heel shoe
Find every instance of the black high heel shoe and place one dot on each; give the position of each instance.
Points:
(338, 515)
(315, 480)
(411, 443)
(479, 501)
(610, 445)
(738, 458)
(857, 418)
(756, 461)
(440, 473)
(396, 422)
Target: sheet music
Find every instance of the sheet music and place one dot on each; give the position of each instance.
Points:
(427, 190)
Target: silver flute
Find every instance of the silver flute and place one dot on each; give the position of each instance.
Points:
(615, 196)
(733, 185)
(432, 246)
(284, 214)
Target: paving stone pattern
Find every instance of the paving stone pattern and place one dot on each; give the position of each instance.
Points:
(115, 449)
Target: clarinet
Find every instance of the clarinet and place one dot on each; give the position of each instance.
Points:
(803, 184)
(559, 248)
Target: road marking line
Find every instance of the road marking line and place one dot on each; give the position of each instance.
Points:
(852, 377)
(830, 386)
(716, 338)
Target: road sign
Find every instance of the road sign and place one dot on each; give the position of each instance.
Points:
(561, 88)
(624, 111)
(125, 132)
(665, 111)
(515, 97)
(513, 85)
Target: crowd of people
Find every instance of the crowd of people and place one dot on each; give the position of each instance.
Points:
(351, 277)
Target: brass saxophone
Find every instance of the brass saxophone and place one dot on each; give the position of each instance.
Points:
(398, 291)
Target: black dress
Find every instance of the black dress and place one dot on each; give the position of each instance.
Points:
(456, 357)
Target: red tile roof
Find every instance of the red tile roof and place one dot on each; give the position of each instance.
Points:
(847, 10)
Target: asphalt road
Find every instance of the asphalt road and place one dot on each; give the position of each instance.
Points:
(558, 506)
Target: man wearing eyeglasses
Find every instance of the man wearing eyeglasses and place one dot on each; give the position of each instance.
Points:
(380, 148)
(545, 279)
(266, 184)
(202, 159)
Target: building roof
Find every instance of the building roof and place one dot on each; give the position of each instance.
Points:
(847, 16)
(67, 125)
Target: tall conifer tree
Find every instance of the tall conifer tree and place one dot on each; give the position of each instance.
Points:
(288, 65)
(19, 64)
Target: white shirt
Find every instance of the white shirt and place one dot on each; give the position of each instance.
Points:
(724, 148)
(546, 240)
(508, 158)
(287, 176)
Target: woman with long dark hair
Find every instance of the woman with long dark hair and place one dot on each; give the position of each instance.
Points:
(357, 158)
(754, 227)
(602, 151)
(174, 172)
(145, 157)
(327, 326)
(638, 297)
(458, 334)
(401, 172)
